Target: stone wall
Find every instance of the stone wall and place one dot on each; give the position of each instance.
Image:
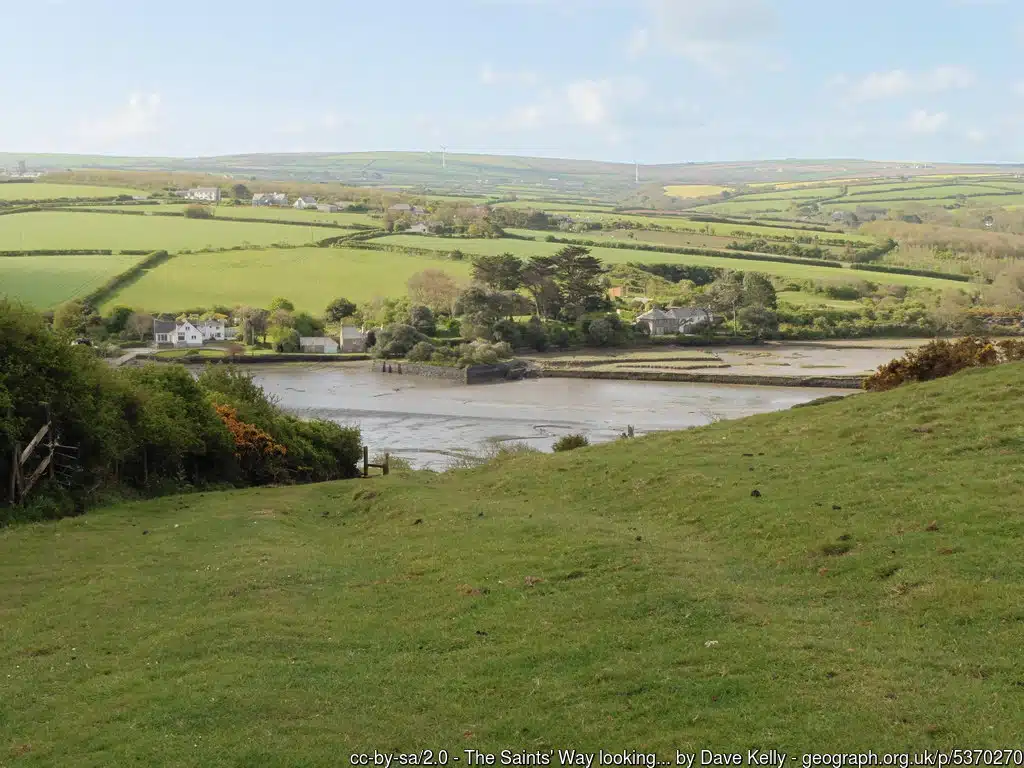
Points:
(474, 374)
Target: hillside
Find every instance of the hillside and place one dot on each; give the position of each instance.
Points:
(628, 596)
(476, 173)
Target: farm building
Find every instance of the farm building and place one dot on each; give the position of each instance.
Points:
(663, 322)
(269, 198)
(352, 339)
(207, 194)
(419, 229)
(326, 207)
(305, 202)
(400, 208)
(321, 345)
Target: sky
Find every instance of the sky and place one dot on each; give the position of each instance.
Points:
(648, 81)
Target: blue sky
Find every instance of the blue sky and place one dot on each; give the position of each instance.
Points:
(654, 81)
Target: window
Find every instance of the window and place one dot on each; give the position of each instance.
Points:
(181, 336)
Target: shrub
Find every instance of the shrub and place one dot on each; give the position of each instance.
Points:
(942, 358)
(198, 212)
(570, 443)
(396, 341)
(421, 352)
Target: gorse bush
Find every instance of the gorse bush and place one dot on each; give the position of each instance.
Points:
(943, 358)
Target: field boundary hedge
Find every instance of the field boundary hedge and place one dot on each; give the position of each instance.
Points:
(911, 271)
(130, 275)
(64, 252)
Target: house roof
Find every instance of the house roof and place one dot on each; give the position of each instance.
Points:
(654, 314)
(316, 340)
(308, 200)
(163, 326)
(400, 207)
(684, 313)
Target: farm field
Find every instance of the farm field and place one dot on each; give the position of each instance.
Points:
(44, 191)
(541, 205)
(310, 277)
(229, 212)
(742, 207)
(688, 191)
(657, 237)
(66, 229)
(46, 281)
(793, 194)
(526, 248)
(927, 193)
(803, 299)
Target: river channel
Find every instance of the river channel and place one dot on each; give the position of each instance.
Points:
(432, 423)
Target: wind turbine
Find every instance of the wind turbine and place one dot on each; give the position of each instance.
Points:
(444, 161)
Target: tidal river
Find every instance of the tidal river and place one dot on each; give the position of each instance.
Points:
(431, 423)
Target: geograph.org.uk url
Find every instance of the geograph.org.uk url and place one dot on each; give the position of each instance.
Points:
(951, 757)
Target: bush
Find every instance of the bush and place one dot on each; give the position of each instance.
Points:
(570, 443)
(421, 352)
(284, 339)
(942, 358)
(396, 341)
(198, 212)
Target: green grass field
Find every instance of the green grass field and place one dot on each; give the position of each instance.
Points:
(248, 212)
(310, 277)
(65, 229)
(44, 191)
(46, 281)
(794, 194)
(526, 248)
(626, 596)
(802, 299)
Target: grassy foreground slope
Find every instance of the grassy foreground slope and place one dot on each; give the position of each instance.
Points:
(632, 595)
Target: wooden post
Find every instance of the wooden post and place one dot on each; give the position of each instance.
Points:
(15, 465)
(366, 461)
(387, 463)
(52, 442)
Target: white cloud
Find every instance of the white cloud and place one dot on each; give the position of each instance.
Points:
(527, 117)
(587, 101)
(490, 76)
(976, 135)
(717, 35)
(921, 121)
(899, 82)
(137, 118)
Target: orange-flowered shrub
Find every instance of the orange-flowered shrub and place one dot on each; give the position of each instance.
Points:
(942, 358)
(255, 449)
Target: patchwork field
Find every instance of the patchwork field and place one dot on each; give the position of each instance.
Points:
(525, 249)
(66, 229)
(45, 281)
(227, 212)
(310, 277)
(694, 190)
(801, 299)
(37, 191)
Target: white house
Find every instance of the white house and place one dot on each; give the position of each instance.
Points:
(420, 228)
(325, 207)
(207, 194)
(188, 333)
(269, 198)
(321, 345)
(305, 202)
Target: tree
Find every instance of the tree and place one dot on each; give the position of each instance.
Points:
(339, 309)
(576, 275)
(307, 325)
(537, 220)
(70, 316)
(422, 319)
(481, 309)
(139, 324)
(538, 277)
(284, 339)
(282, 318)
(501, 272)
(761, 319)
(758, 291)
(726, 295)
(435, 289)
(255, 322)
(241, 192)
(397, 340)
(281, 303)
(117, 320)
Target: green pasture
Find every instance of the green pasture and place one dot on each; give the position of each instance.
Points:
(44, 191)
(802, 299)
(674, 239)
(743, 207)
(937, 192)
(234, 212)
(793, 194)
(81, 230)
(527, 248)
(310, 277)
(46, 281)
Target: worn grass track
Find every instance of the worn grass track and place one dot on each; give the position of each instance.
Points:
(632, 595)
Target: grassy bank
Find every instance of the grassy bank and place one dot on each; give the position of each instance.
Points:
(633, 595)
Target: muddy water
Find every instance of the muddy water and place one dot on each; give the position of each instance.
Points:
(431, 423)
